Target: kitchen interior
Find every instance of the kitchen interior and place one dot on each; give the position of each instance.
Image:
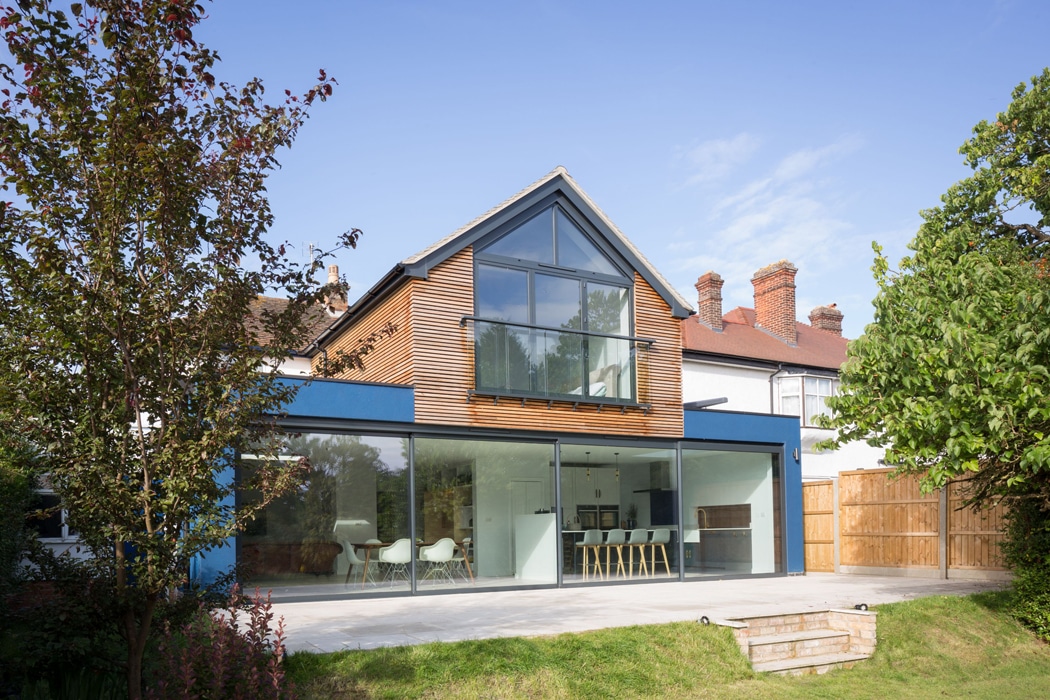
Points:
(609, 487)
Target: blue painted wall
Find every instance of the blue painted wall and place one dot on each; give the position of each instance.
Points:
(333, 398)
(725, 426)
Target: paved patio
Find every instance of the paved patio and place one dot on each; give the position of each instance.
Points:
(325, 626)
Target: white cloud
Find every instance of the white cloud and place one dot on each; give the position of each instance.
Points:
(713, 160)
(805, 161)
(789, 212)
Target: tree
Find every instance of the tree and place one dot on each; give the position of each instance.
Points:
(952, 376)
(132, 249)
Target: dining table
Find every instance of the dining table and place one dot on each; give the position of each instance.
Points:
(369, 546)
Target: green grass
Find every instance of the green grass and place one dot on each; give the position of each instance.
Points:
(933, 647)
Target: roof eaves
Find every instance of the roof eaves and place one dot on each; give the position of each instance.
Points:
(384, 286)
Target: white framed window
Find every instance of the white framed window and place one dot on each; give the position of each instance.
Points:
(806, 396)
(54, 527)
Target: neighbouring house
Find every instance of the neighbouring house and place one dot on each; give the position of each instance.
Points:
(523, 427)
(763, 360)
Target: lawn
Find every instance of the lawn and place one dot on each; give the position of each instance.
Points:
(941, 646)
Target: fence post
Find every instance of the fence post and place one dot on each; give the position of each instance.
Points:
(942, 531)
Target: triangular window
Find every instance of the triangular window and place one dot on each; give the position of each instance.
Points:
(551, 238)
(577, 251)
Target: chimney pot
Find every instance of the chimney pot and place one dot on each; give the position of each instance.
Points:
(775, 300)
(827, 318)
(337, 301)
(709, 289)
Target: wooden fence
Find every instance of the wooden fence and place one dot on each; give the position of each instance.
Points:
(869, 522)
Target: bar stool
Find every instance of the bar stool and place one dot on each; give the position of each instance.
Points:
(615, 538)
(660, 538)
(639, 540)
(592, 540)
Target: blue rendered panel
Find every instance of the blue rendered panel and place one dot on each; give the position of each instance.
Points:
(207, 566)
(726, 426)
(326, 398)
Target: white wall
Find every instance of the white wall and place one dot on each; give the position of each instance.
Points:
(828, 464)
(746, 388)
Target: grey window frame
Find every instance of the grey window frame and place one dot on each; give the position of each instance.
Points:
(623, 281)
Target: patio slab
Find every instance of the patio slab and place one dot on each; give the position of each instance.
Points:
(367, 623)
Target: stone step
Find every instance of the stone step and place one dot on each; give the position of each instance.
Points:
(797, 644)
(800, 666)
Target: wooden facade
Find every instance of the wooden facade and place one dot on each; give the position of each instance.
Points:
(433, 351)
(392, 360)
(886, 525)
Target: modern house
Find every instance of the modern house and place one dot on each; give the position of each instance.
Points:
(529, 410)
(763, 360)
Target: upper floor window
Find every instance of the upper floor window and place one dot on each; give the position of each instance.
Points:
(554, 314)
(806, 396)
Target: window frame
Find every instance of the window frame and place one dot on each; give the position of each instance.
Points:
(67, 535)
(800, 380)
(624, 281)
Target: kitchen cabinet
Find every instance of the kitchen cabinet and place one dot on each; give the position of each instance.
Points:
(601, 488)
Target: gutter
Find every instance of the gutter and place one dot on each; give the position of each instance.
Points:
(379, 290)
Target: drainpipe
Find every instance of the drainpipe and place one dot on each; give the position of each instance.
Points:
(780, 370)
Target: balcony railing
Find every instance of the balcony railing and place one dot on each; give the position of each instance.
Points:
(512, 359)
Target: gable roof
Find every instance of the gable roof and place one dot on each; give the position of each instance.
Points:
(740, 339)
(556, 184)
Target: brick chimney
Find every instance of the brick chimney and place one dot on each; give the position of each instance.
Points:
(827, 318)
(775, 300)
(709, 289)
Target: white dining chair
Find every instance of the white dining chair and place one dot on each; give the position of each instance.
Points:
(438, 556)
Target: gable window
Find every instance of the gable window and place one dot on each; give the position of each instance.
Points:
(806, 396)
(553, 314)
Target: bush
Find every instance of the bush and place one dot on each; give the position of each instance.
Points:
(1027, 551)
(224, 653)
(16, 491)
(61, 626)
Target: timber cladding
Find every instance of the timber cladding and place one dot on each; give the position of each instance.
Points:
(434, 351)
(886, 523)
(391, 360)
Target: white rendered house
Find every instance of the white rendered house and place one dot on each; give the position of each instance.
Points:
(763, 360)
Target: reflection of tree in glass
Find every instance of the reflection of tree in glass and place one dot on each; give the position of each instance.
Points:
(606, 310)
(336, 462)
(563, 357)
(503, 358)
(337, 465)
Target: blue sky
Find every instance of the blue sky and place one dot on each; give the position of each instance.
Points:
(717, 136)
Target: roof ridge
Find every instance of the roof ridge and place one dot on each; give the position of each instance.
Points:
(559, 170)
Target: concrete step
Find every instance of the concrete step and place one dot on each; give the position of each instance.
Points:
(797, 644)
(801, 666)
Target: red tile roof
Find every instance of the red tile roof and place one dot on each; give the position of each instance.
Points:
(740, 339)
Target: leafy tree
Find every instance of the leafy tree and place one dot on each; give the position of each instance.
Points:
(132, 250)
(953, 375)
